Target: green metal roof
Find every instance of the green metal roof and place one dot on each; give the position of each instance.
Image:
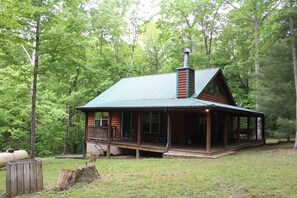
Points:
(174, 103)
(152, 87)
(156, 92)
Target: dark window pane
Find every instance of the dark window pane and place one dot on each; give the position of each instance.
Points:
(146, 127)
(155, 128)
(155, 117)
(146, 118)
(96, 123)
(104, 122)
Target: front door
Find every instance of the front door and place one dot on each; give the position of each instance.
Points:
(126, 125)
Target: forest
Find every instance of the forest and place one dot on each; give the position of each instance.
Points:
(56, 55)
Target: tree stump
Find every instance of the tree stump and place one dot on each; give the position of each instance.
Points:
(83, 174)
(86, 174)
(66, 179)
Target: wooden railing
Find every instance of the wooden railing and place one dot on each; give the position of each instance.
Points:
(97, 132)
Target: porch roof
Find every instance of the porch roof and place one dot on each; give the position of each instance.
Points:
(172, 103)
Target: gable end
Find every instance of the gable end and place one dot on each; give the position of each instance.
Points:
(217, 90)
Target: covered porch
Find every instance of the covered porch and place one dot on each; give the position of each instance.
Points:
(176, 132)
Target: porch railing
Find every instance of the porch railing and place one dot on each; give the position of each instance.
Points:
(98, 132)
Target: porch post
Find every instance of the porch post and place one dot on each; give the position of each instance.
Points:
(232, 125)
(138, 134)
(256, 128)
(85, 136)
(208, 131)
(238, 131)
(168, 145)
(263, 129)
(248, 128)
(109, 135)
(226, 132)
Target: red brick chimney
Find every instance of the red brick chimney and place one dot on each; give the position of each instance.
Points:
(185, 86)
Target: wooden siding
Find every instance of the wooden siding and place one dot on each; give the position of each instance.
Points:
(214, 98)
(91, 118)
(90, 123)
(184, 84)
(116, 121)
(191, 127)
(191, 82)
(177, 127)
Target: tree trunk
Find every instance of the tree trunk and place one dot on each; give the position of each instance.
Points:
(134, 36)
(257, 73)
(69, 126)
(34, 91)
(75, 145)
(294, 54)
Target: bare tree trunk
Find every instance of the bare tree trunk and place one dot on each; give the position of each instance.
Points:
(34, 91)
(134, 32)
(256, 58)
(69, 126)
(294, 54)
(75, 145)
(257, 73)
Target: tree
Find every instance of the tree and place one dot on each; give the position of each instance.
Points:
(26, 26)
(195, 25)
(292, 5)
(276, 88)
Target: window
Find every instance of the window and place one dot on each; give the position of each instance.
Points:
(214, 88)
(151, 122)
(101, 119)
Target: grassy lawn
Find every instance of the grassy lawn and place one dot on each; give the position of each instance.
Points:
(268, 171)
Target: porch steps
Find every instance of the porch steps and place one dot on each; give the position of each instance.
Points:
(176, 154)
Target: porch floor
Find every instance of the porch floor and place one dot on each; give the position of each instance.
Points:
(178, 150)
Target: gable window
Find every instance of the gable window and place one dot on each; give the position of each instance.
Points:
(151, 122)
(101, 119)
(214, 88)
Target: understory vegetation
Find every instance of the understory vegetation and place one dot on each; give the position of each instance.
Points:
(266, 171)
(80, 48)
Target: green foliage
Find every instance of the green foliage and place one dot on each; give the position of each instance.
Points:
(14, 107)
(87, 46)
(277, 87)
(285, 128)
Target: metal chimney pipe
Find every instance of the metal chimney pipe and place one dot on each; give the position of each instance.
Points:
(186, 57)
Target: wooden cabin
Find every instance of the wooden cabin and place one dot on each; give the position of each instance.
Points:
(187, 113)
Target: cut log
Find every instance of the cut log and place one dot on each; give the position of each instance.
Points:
(86, 174)
(66, 179)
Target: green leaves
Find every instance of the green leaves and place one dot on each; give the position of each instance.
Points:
(87, 46)
(277, 98)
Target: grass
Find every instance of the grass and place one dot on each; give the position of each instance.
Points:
(267, 171)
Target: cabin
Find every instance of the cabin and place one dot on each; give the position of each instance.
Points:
(187, 113)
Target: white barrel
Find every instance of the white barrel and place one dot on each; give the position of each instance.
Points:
(17, 155)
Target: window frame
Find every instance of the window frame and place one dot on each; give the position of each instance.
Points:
(100, 118)
(151, 122)
(215, 88)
